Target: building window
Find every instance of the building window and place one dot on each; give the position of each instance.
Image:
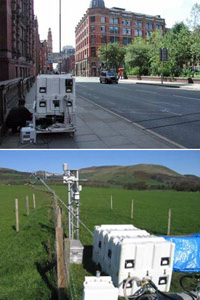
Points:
(149, 26)
(114, 39)
(92, 19)
(126, 31)
(159, 27)
(127, 40)
(92, 28)
(93, 51)
(138, 24)
(103, 39)
(148, 33)
(114, 30)
(103, 28)
(126, 22)
(103, 20)
(138, 33)
(114, 21)
(93, 39)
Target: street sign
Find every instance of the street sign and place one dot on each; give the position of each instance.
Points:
(55, 57)
(164, 54)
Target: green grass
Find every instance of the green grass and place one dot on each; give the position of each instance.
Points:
(26, 257)
(150, 213)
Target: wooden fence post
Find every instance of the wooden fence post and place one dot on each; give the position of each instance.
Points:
(60, 259)
(67, 261)
(17, 215)
(111, 202)
(132, 208)
(27, 206)
(169, 222)
(34, 204)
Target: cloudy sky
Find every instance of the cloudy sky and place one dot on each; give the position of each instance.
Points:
(47, 12)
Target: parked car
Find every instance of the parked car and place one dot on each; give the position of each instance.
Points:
(108, 77)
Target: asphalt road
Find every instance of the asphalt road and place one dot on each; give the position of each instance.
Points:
(173, 113)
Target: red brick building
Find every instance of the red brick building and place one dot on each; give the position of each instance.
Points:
(46, 47)
(100, 26)
(17, 35)
(68, 65)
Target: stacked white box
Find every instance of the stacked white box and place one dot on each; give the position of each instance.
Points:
(51, 90)
(99, 288)
(99, 233)
(134, 253)
(109, 245)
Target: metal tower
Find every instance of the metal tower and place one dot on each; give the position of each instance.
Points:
(71, 178)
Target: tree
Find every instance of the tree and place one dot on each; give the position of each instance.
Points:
(194, 21)
(112, 55)
(137, 56)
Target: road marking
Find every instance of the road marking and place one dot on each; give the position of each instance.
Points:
(135, 124)
(149, 92)
(186, 97)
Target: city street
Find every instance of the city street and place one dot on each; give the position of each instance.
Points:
(170, 112)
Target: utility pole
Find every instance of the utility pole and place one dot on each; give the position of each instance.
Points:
(60, 32)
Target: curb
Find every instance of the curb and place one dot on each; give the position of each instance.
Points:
(159, 84)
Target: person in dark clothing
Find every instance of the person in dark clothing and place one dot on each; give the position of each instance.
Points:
(18, 116)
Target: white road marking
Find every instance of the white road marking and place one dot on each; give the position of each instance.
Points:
(190, 98)
(149, 92)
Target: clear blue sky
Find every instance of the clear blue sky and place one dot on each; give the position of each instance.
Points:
(181, 161)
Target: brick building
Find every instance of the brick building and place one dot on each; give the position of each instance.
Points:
(46, 47)
(17, 36)
(100, 26)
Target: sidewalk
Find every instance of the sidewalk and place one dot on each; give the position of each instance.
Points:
(180, 85)
(97, 128)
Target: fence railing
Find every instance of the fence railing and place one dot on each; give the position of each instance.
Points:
(10, 92)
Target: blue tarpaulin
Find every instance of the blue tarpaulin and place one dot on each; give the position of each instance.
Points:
(187, 253)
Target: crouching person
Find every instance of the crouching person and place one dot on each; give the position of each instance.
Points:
(18, 116)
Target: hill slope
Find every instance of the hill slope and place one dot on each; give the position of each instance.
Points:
(150, 174)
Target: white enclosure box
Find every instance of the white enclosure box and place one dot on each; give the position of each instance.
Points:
(55, 105)
(134, 253)
(106, 256)
(27, 135)
(99, 234)
(76, 252)
(99, 288)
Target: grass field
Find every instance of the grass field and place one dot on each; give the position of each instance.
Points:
(150, 213)
(26, 257)
(26, 270)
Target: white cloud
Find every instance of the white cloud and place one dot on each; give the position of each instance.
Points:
(73, 10)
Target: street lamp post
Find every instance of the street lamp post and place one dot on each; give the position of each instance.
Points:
(60, 33)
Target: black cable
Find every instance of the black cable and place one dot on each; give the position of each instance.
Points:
(184, 288)
(159, 292)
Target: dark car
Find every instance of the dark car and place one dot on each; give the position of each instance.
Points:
(108, 77)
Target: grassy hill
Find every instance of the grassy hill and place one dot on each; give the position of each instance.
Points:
(150, 174)
(9, 176)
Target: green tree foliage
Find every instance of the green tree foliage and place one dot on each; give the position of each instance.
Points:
(138, 55)
(112, 55)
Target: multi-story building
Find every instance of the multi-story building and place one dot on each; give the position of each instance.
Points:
(46, 47)
(100, 26)
(16, 39)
